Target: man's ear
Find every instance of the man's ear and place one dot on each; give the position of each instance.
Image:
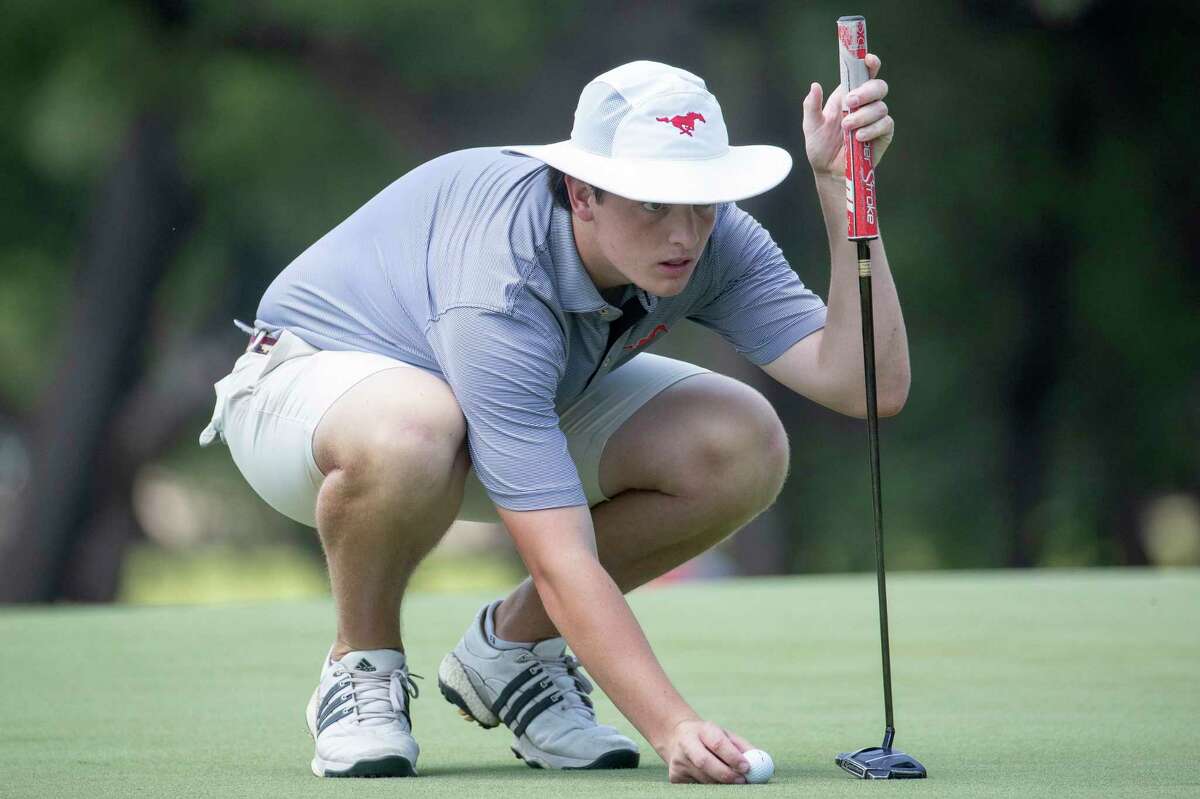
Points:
(580, 194)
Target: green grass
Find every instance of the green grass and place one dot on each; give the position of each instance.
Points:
(222, 574)
(1023, 684)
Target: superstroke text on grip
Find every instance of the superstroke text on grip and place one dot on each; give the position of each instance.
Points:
(862, 215)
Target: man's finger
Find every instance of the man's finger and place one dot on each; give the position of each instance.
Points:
(865, 115)
(714, 770)
(833, 106)
(873, 64)
(812, 106)
(875, 130)
(695, 771)
(719, 744)
(869, 92)
(696, 756)
(682, 768)
(706, 763)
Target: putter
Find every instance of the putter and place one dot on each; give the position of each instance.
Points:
(873, 762)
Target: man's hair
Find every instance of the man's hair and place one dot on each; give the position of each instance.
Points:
(558, 187)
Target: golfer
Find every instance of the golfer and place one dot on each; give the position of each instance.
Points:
(475, 343)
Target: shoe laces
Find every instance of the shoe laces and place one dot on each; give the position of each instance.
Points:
(382, 698)
(570, 682)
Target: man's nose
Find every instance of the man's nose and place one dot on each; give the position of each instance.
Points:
(685, 228)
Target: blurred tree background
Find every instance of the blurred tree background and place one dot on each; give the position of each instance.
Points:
(162, 160)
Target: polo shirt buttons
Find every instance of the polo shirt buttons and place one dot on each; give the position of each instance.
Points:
(604, 312)
(607, 361)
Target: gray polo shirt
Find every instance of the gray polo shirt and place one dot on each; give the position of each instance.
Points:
(465, 267)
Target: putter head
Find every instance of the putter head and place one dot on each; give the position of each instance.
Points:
(878, 763)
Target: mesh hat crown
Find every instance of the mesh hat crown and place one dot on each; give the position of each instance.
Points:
(649, 110)
(652, 132)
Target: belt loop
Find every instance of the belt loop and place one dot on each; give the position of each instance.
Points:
(259, 335)
(261, 339)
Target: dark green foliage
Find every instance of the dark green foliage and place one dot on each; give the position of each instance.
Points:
(1039, 207)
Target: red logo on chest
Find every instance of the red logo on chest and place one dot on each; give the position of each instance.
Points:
(644, 341)
(685, 123)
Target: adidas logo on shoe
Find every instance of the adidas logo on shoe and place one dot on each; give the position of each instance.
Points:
(364, 665)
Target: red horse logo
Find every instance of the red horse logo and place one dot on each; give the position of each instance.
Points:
(644, 341)
(685, 123)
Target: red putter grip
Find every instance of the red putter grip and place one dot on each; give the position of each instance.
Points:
(862, 214)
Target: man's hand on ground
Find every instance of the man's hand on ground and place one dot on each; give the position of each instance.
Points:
(700, 751)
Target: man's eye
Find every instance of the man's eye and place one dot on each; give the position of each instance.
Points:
(654, 207)
(705, 209)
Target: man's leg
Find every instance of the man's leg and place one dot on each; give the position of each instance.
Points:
(392, 451)
(370, 451)
(680, 484)
(689, 468)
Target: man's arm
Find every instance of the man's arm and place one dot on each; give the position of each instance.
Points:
(558, 546)
(827, 366)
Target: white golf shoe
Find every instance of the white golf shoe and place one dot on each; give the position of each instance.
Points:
(359, 717)
(539, 693)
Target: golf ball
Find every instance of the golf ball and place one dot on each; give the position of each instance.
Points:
(761, 766)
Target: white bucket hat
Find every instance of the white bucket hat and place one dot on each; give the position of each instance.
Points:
(654, 133)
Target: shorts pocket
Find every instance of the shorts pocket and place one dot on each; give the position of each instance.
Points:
(249, 369)
(240, 381)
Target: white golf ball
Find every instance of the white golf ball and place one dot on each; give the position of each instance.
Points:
(761, 766)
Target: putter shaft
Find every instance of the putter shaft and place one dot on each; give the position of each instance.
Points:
(868, 326)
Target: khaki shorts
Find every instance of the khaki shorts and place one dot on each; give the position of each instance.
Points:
(269, 406)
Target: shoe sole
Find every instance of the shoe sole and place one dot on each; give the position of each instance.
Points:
(457, 688)
(393, 766)
(617, 758)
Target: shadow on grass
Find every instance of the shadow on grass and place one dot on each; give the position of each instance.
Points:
(518, 771)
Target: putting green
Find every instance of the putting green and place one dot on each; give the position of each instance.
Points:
(1022, 684)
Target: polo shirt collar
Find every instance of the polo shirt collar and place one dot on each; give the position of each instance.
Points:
(576, 291)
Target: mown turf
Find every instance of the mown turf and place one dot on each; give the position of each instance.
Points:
(1007, 684)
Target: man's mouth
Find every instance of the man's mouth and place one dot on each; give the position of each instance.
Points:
(676, 263)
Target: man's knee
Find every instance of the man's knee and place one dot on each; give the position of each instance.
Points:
(410, 455)
(401, 428)
(738, 451)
